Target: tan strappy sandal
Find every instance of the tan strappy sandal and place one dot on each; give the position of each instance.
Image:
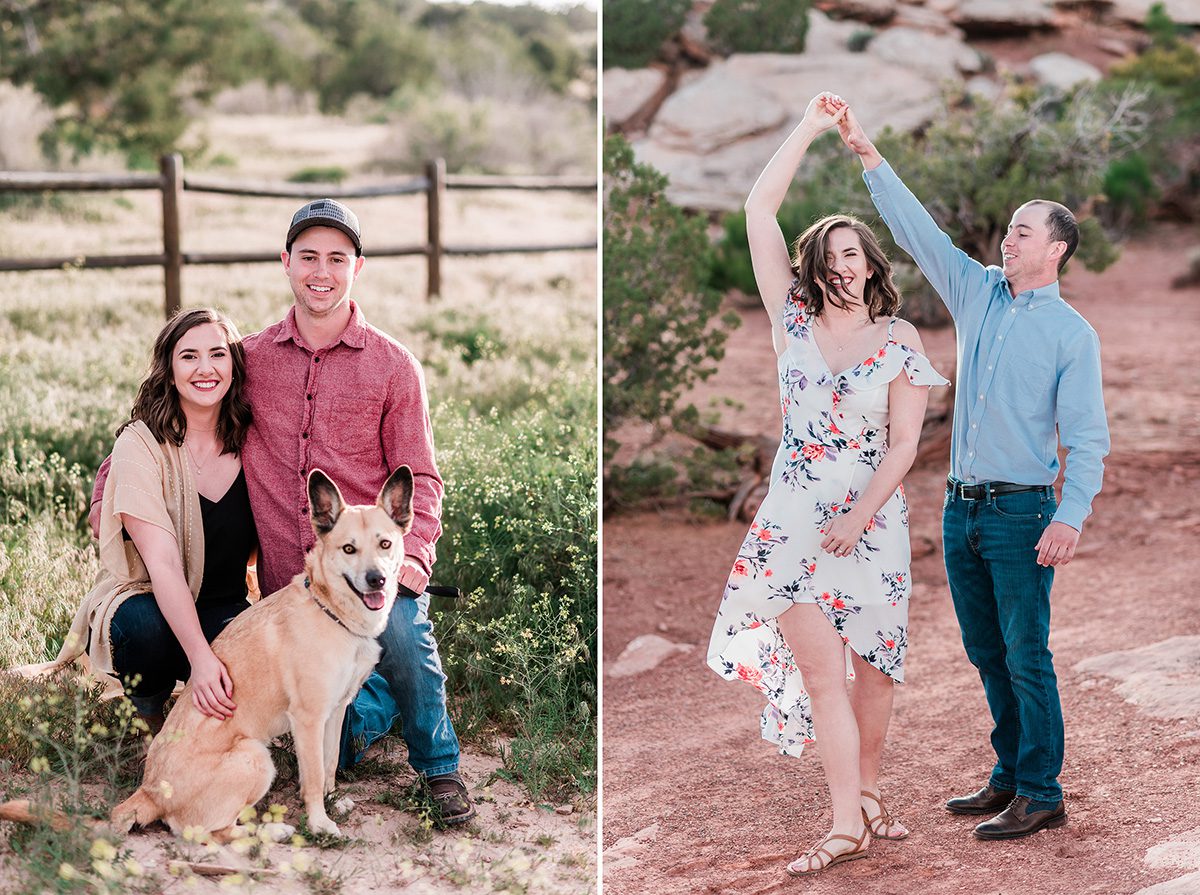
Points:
(829, 858)
(880, 825)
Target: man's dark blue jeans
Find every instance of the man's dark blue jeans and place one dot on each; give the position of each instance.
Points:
(1002, 598)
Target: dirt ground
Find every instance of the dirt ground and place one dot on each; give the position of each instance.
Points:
(694, 801)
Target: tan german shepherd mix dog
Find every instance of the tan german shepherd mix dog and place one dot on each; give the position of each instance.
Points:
(296, 659)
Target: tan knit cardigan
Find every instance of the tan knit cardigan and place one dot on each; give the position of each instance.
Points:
(152, 482)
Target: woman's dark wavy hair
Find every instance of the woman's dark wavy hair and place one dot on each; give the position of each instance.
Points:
(880, 295)
(157, 401)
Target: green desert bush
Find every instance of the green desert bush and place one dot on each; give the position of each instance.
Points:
(320, 174)
(660, 335)
(1166, 163)
(523, 538)
(757, 26)
(634, 30)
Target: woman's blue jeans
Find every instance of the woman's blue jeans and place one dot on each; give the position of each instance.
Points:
(145, 648)
(407, 683)
(1002, 598)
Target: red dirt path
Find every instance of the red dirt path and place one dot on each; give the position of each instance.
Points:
(682, 748)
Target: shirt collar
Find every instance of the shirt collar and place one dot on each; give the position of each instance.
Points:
(353, 336)
(1036, 298)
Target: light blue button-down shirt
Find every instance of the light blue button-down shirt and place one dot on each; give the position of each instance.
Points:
(1028, 367)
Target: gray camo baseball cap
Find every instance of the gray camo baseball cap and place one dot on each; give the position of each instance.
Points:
(325, 213)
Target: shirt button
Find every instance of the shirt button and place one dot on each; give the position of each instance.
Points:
(1014, 310)
(981, 397)
(989, 366)
(304, 435)
(971, 454)
(316, 360)
(309, 396)
(974, 425)
(999, 338)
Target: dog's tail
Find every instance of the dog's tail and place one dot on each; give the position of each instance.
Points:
(23, 811)
(138, 809)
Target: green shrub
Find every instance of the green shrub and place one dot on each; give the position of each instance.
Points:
(521, 520)
(756, 26)
(634, 30)
(659, 337)
(320, 174)
(860, 39)
(1130, 188)
(446, 127)
(1166, 163)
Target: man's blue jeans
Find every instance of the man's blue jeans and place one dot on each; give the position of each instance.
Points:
(1002, 598)
(407, 683)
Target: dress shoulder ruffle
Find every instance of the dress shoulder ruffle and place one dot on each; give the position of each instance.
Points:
(888, 363)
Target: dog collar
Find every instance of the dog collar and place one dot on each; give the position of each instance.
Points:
(328, 612)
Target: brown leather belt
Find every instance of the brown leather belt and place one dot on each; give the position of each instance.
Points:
(983, 490)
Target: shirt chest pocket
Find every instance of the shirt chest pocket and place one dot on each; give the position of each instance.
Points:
(351, 427)
(1025, 381)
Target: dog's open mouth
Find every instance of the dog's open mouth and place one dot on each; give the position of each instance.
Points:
(372, 599)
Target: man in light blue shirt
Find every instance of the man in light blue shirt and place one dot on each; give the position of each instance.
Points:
(1028, 380)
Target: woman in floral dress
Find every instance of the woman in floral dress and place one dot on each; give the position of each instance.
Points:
(819, 590)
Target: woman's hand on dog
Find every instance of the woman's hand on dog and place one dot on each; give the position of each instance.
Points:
(212, 688)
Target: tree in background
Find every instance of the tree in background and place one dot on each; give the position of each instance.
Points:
(129, 76)
(121, 76)
(634, 30)
(757, 26)
(1166, 167)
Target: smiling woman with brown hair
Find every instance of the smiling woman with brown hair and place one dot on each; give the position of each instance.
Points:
(819, 589)
(175, 525)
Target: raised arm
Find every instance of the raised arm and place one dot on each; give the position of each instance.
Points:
(768, 248)
(955, 276)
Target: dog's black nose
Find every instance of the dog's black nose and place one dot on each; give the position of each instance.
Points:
(375, 580)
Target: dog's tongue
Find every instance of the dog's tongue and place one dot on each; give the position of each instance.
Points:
(373, 599)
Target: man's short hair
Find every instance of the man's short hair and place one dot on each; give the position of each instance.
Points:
(1062, 226)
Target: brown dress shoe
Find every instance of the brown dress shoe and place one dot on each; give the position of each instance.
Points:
(986, 801)
(1017, 820)
(450, 798)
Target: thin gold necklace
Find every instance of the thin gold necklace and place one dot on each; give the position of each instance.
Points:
(859, 329)
(199, 466)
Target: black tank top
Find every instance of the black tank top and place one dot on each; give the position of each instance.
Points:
(229, 537)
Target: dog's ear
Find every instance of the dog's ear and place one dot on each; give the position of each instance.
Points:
(324, 501)
(396, 498)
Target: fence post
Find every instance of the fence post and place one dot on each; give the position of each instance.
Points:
(171, 167)
(435, 173)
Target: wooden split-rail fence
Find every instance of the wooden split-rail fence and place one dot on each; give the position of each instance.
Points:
(171, 182)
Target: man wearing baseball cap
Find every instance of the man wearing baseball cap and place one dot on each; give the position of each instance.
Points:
(329, 391)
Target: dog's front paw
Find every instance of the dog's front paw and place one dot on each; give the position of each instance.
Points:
(323, 825)
(277, 832)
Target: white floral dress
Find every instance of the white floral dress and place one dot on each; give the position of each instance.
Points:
(834, 437)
